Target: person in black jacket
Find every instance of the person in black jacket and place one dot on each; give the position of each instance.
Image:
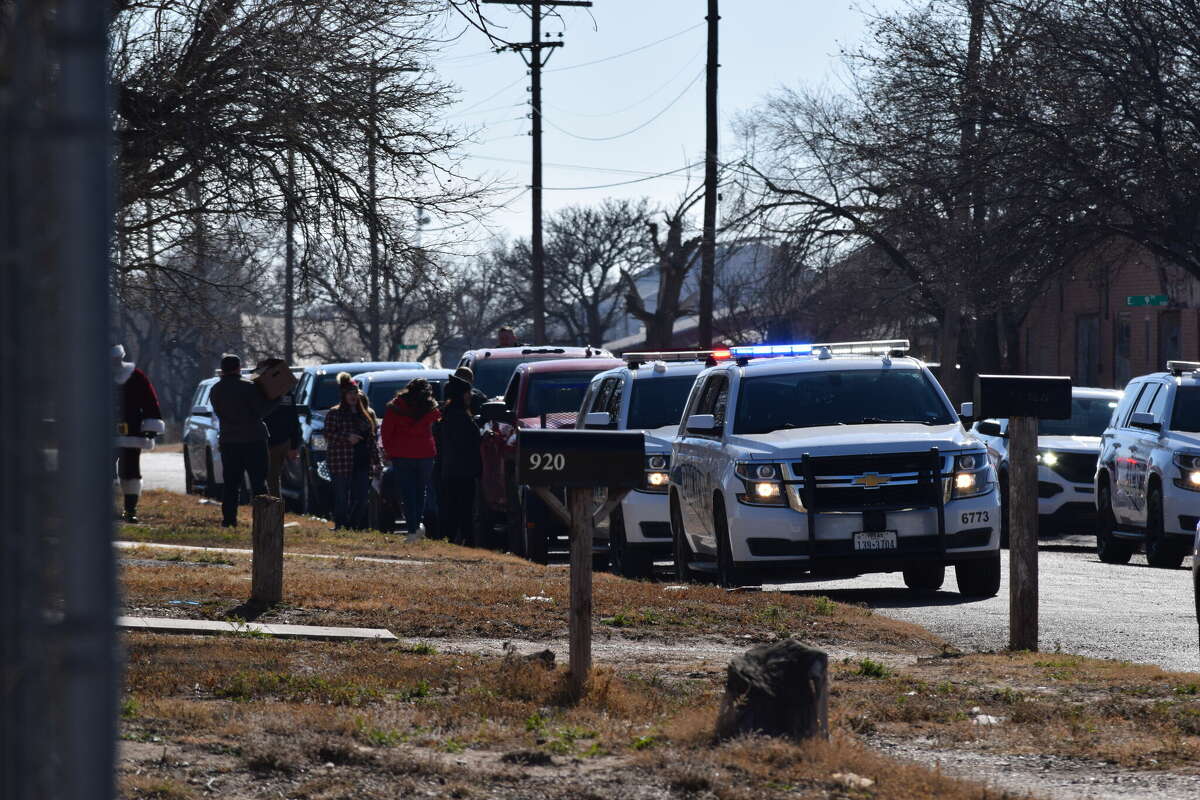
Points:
(240, 407)
(461, 464)
(283, 440)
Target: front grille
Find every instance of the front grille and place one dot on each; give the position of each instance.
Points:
(1046, 489)
(1076, 467)
(910, 480)
(906, 545)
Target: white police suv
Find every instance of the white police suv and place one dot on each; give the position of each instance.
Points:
(832, 461)
(647, 394)
(1067, 453)
(1148, 476)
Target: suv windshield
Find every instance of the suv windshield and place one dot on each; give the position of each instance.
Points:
(655, 402)
(381, 393)
(1186, 416)
(839, 397)
(493, 374)
(1089, 417)
(556, 393)
(325, 392)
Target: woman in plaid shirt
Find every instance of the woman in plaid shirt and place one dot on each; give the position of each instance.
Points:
(353, 454)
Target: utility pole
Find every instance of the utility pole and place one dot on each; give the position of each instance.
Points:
(373, 215)
(289, 274)
(535, 61)
(708, 241)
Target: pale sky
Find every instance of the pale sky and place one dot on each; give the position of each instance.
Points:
(651, 101)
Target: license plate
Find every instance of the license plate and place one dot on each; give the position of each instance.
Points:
(875, 540)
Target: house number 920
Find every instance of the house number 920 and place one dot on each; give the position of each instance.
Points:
(547, 461)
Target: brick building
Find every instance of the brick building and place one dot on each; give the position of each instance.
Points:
(1101, 323)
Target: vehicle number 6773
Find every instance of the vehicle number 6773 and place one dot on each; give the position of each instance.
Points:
(547, 461)
(970, 517)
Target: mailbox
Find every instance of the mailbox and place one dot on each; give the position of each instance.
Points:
(1041, 396)
(581, 459)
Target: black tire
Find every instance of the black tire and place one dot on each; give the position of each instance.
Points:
(980, 578)
(925, 577)
(189, 480)
(625, 562)
(537, 546)
(1109, 548)
(679, 545)
(1004, 510)
(1160, 552)
(728, 575)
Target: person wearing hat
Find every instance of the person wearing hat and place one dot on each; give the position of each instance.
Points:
(139, 420)
(284, 434)
(242, 439)
(460, 462)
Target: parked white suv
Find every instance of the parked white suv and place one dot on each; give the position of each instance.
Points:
(1067, 453)
(1148, 476)
(831, 460)
(646, 394)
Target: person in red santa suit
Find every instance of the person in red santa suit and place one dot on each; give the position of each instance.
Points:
(139, 420)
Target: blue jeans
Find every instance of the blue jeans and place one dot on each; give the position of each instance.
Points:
(350, 499)
(412, 478)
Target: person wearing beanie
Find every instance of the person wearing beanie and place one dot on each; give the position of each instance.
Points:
(478, 398)
(408, 442)
(460, 463)
(139, 421)
(351, 436)
(242, 439)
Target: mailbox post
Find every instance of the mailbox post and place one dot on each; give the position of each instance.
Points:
(1023, 399)
(580, 462)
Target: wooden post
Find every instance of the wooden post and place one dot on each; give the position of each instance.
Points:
(266, 584)
(579, 503)
(1022, 534)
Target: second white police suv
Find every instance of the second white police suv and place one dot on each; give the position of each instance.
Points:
(831, 460)
(1148, 476)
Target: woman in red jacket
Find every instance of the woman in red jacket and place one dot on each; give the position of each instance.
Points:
(408, 442)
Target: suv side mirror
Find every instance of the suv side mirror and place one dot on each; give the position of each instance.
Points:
(597, 419)
(1145, 420)
(495, 411)
(967, 411)
(201, 411)
(988, 428)
(701, 423)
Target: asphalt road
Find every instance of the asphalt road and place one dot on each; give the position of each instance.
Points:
(162, 471)
(1132, 612)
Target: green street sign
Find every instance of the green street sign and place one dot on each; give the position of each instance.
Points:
(406, 347)
(1146, 300)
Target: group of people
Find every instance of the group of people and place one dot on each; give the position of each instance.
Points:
(432, 452)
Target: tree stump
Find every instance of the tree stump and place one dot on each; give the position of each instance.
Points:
(779, 689)
(266, 584)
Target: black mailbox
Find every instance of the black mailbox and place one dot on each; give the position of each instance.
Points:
(581, 459)
(1041, 396)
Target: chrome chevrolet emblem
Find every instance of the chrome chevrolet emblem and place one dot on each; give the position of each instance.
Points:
(871, 480)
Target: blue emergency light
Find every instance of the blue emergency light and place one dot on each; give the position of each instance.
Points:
(883, 347)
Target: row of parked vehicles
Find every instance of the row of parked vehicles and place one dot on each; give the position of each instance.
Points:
(819, 460)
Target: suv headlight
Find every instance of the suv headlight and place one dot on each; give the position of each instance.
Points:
(972, 476)
(657, 474)
(763, 482)
(317, 442)
(1189, 471)
(1047, 457)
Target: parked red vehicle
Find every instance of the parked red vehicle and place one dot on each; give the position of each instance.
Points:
(493, 366)
(540, 394)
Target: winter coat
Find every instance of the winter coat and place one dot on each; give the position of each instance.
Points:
(458, 440)
(340, 425)
(240, 407)
(408, 431)
(138, 412)
(283, 424)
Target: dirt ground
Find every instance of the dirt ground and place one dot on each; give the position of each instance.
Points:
(454, 710)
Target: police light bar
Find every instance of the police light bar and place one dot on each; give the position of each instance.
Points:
(673, 356)
(881, 347)
(1180, 367)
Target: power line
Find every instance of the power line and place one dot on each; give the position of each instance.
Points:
(493, 96)
(662, 111)
(622, 183)
(637, 103)
(585, 167)
(628, 52)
